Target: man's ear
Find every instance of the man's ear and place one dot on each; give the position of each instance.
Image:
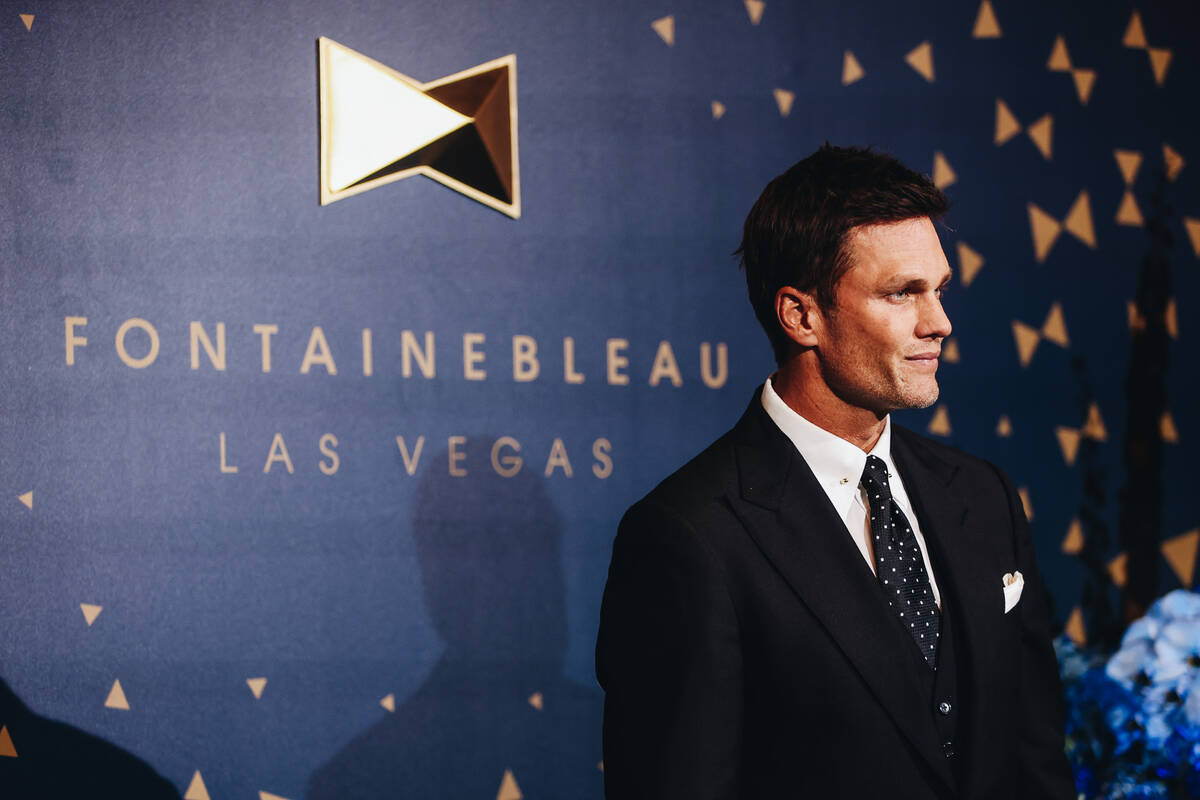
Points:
(799, 316)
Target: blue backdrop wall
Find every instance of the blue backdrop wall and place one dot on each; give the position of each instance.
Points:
(317, 576)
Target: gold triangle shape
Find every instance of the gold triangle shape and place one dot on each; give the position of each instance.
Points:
(1068, 442)
(784, 99)
(389, 702)
(1160, 59)
(1045, 230)
(90, 612)
(1135, 35)
(940, 424)
(1027, 341)
(1180, 553)
(1026, 503)
(1079, 220)
(1059, 60)
(969, 263)
(1128, 212)
(27, 500)
(943, 173)
(1042, 134)
(537, 701)
(1085, 79)
(1193, 232)
(1094, 427)
(372, 117)
(1074, 627)
(1136, 321)
(851, 69)
(755, 8)
(268, 796)
(1171, 319)
(28, 20)
(1167, 429)
(665, 28)
(718, 109)
(1129, 162)
(1004, 427)
(116, 698)
(1118, 569)
(1072, 543)
(1173, 160)
(1054, 329)
(256, 686)
(508, 787)
(196, 789)
(1007, 125)
(986, 26)
(950, 351)
(6, 743)
(920, 58)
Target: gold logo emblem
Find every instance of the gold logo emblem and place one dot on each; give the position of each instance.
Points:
(379, 126)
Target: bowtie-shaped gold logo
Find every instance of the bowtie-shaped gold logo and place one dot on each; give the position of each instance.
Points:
(379, 126)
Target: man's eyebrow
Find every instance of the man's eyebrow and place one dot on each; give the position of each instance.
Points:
(918, 280)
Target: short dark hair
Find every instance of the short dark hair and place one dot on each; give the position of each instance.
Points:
(796, 233)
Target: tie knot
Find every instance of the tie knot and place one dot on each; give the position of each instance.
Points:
(875, 474)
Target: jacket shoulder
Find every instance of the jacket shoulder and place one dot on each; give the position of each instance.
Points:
(952, 456)
(977, 476)
(703, 480)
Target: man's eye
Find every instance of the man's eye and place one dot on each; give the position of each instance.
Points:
(899, 294)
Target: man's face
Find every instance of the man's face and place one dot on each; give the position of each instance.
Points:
(879, 346)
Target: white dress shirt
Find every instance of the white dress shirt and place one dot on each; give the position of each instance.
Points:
(838, 466)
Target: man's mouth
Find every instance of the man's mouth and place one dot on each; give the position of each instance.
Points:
(925, 359)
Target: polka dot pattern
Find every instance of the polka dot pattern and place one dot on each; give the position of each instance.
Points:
(899, 564)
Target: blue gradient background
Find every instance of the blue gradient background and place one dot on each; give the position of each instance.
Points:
(160, 161)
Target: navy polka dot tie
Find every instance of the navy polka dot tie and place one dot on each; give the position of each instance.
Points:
(898, 562)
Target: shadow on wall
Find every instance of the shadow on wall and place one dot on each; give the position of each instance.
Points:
(496, 717)
(55, 761)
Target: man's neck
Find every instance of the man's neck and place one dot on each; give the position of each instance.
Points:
(813, 400)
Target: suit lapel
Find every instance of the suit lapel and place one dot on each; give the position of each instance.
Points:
(789, 516)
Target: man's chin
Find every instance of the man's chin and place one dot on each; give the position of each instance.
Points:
(884, 398)
(923, 399)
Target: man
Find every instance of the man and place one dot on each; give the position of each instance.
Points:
(822, 604)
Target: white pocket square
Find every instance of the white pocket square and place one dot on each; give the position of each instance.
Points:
(1014, 582)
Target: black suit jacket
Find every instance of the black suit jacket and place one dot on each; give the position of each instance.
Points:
(746, 649)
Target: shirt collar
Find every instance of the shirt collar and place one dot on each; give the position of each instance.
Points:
(837, 464)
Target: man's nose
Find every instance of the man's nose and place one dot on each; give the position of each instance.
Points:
(933, 324)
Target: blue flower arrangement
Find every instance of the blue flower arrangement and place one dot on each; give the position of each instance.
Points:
(1133, 721)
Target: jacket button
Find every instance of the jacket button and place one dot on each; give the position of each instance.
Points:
(944, 708)
(948, 749)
